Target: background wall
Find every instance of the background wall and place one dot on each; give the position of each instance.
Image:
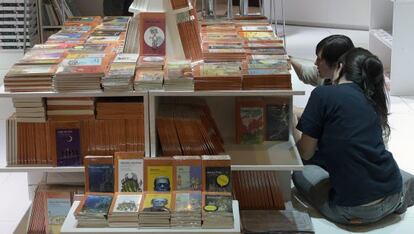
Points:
(353, 14)
(90, 7)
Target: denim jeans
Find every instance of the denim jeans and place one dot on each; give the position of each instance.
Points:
(314, 185)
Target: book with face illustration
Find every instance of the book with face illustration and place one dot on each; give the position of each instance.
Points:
(152, 33)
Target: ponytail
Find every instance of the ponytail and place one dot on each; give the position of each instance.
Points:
(366, 70)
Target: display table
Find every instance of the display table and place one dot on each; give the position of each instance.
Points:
(69, 226)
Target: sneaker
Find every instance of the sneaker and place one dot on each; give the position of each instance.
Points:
(408, 192)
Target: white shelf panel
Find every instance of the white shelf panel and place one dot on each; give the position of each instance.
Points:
(274, 156)
(382, 36)
(69, 226)
(70, 94)
(227, 93)
(39, 168)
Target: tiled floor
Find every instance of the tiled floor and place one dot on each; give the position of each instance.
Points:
(301, 42)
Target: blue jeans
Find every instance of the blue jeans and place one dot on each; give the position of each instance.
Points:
(314, 185)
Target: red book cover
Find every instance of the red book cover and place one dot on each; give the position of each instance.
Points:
(152, 33)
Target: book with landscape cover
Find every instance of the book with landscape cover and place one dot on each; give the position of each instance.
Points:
(125, 204)
(57, 206)
(99, 174)
(250, 114)
(94, 205)
(129, 172)
(187, 173)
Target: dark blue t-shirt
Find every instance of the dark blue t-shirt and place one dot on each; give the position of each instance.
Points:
(350, 143)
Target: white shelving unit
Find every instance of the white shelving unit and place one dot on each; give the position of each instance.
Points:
(69, 226)
(276, 156)
(390, 38)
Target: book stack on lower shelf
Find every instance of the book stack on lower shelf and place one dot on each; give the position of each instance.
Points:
(18, 29)
(180, 192)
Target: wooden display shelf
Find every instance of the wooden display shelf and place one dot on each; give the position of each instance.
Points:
(69, 226)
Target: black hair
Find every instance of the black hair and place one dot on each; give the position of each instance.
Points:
(365, 69)
(333, 47)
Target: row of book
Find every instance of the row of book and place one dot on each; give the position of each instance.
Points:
(65, 143)
(55, 11)
(156, 210)
(131, 172)
(18, 29)
(188, 129)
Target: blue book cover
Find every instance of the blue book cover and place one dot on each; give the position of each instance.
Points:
(101, 178)
(96, 205)
(68, 147)
(57, 209)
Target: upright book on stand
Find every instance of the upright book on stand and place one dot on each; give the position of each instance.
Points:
(152, 33)
(99, 174)
(129, 172)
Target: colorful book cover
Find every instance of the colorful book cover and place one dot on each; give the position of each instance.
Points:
(252, 125)
(57, 209)
(267, 71)
(130, 175)
(221, 203)
(151, 76)
(82, 62)
(188, 178)
(218, 179)
(96, 205)
(277, 122)
(127, 203)
(126, 58)
(188, 202)
(157, 202)
(101, 178)
(160, 178)
(152, 33)
(68, 147)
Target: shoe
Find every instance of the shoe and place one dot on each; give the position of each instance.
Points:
(408, 192)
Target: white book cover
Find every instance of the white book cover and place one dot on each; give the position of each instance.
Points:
(127, 203)
(126, 58)
(130, 175)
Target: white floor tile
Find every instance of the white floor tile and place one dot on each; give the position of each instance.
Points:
(409, 100)
(399, 106)
(8, 227)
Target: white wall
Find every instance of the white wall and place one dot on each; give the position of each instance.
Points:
(328, 13)
(90, 7)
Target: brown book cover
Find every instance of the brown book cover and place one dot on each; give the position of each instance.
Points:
(99, 174)
(152, 33)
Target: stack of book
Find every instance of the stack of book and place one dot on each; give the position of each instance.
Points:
(178, 75)
(217, 210)
(70, 108)
(81, 72)
(124, 210)
(148, 80)
(121, 73)
(42, 56)
(114, 23)
(30, 109)
(264, 190)
(217, 76)
(151, 62)
(92, 21)
(111, 108)
(68, 35)
(155, 211)
(93, 209)
(186, 211)
(29, 78)
(187, 129)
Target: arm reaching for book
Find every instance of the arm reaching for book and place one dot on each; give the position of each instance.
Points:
(307, 72)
